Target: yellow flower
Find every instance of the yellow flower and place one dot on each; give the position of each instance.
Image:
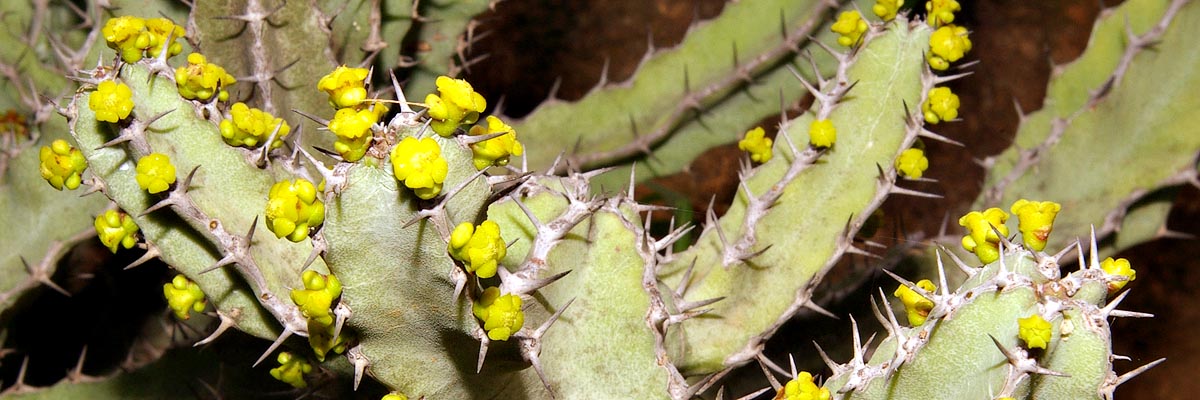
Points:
(457, 104)
(497, 150)
(803, 388)
(942, 105)
(116, 229)
(127, 35)
(1117, 268)
(183, 294)
(981, 238)
(291, 370)
(346, 86)
(294, 209)
(886, 9)
(1035, 220)
(353, 130)
(163, 33)
(320, 338)
(480, 248)
(822, 133)
(912, 163)
(62, 165)
(1035, 331)
(915, 305)
(946, 45)
(394, 396)
(251, 127)
(501, 315)
(941, 12)
(155, 173)
(419, 164)
(850, 27)
(757, 144)
(201, 80)
(316, 299)
(112, 101)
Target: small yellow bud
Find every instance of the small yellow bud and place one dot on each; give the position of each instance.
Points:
(850, 27)
(419, 164)
(912, 163)
(757, 144)
(183, 294)
(112, 101)
(1035, 331)
(62, 165)
(501, 315)
(480, 248)
(1119, 273)
(822, 133)
(942, 105)
(116, 229)
(1035, 220)
(346, 86)
(291, 370)
(803, 387)
(155, 173)
(497, 150)
(915, 305)
(981, 238)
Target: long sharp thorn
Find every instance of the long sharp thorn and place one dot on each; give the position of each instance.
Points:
(818, 309)
(1095, 256)
(274, 345)
(229, 259)
(755, 394)
(541, 330)
(225, 324)
(1063, 253)
(537, 367)
(767, 372)
(483, 348)
(942, 274)
(1134, 373)
(858, 350)
(151, 253)
(910, 192)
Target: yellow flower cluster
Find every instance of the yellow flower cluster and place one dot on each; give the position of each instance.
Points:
(757, 144)
(155, 173)
(183, 294)
(291, 370)
(316, 303)
(1035, 220)
(116, 229)
(62, 165)
(135, 38)
(495, 151)
(850, 28)
(355, 114)
(479, 247)
(822, 133)
(941, 12)
(251, 127)
(946, 45)
(942, 105)
(501, 315)
(912, 163)
(419, 164)
(1119, 271)
(111, 101)
(456, 103)
(981, 239)
(1035, 331)
(915, 305)
(887, 9)
(803, 387)
(202, 80)
(293, 209)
